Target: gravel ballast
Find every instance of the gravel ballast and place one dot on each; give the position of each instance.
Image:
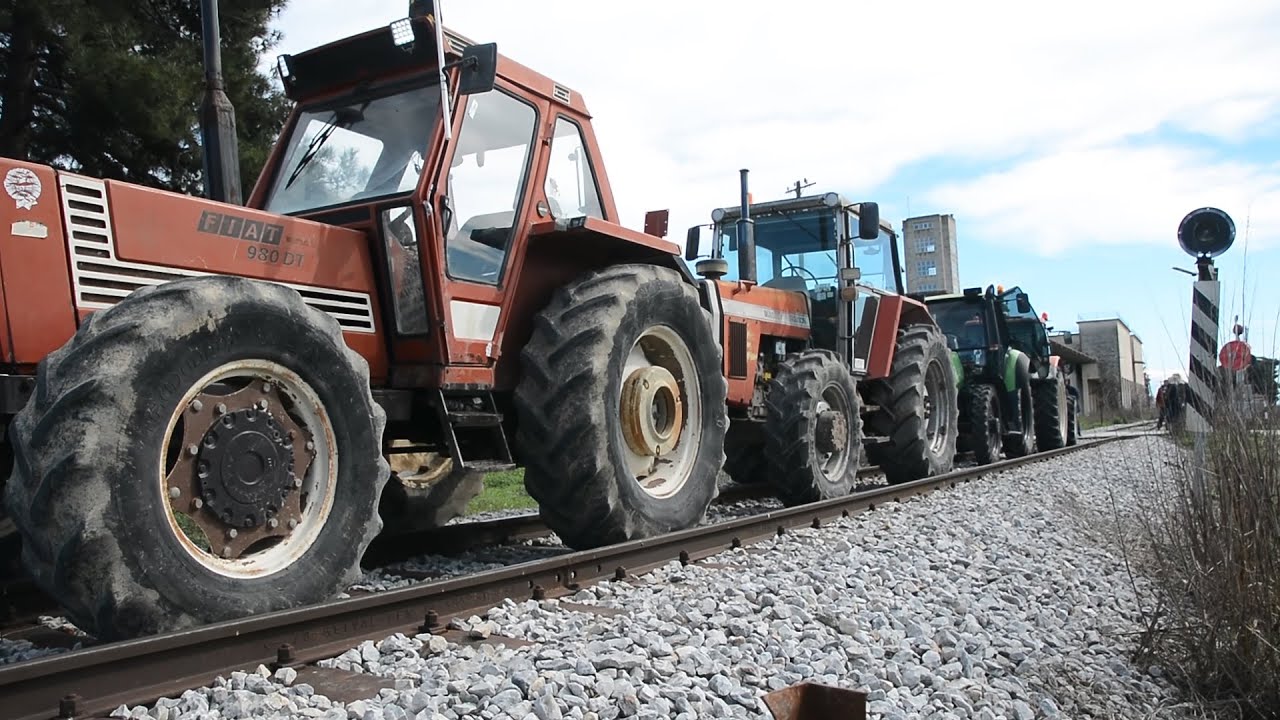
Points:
(996, 599)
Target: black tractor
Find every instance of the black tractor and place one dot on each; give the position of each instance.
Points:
(1013, 395)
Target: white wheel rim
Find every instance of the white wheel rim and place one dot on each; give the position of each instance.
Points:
(664, 474)
(315, 497)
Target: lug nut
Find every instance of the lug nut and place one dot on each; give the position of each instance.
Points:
(196, 406)
(266, 387)
(292, 523)
(262, 403)
(175, 493)
(297, 482)
(232, 533)
(193, 449)
(311, 445)
(221, 408)
(197, 503)
(226, 551)
(273, 523)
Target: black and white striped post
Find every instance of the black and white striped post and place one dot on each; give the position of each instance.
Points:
(1204, 234)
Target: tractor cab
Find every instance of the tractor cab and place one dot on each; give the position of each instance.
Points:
(836, 254)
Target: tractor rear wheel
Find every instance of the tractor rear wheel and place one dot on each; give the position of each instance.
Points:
(918, 409)
(426, 492)
(984, 424)
(1024, 443)
(621, 407)
(813, 430)
(205, 449)
(1052, 409)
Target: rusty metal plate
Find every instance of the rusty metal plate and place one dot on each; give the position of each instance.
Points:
(811, 701)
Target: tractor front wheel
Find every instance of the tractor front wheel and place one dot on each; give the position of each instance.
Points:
(621, 407)
(918, 408)
(1024, 443)
(813, 430)
(985, 425)
(206, 449)
(1052, 413)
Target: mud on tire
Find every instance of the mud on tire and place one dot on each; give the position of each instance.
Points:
(812, 403)
(1052, 407)
(918, 409)
(92, 463)
(594, 342)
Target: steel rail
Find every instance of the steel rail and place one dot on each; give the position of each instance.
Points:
(457, 537)
(142, 670)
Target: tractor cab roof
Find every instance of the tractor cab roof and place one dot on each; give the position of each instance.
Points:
(829, 200)
(403, 48)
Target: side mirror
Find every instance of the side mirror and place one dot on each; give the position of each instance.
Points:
(691, 242)
(479, 69)
(1024, 303)
(868, 221)
(952, 343)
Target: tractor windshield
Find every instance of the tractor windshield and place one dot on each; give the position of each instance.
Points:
(355, 150)
(795, 250)
(965, 321)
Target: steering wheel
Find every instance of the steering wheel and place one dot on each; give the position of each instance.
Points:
(798, 270)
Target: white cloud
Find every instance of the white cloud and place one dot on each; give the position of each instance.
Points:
(847, 94)
(1115, 195)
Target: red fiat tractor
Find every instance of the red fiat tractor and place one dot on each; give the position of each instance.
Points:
(824, 354)
(201, 397)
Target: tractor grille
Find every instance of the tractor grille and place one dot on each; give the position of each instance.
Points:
(101, 279)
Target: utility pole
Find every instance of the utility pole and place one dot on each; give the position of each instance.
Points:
(798, 186)
(217, 117)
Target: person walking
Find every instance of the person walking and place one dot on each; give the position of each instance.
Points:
(1162, 402)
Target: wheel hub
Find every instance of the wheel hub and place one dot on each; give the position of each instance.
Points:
(245, 467)
(652, 413)
(831, 432)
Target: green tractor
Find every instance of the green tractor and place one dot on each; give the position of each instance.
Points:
(1014, 396)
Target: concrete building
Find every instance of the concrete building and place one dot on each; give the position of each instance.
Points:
(930, 256)
(1107, 364)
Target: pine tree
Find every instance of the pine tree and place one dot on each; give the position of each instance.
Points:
(112, 88)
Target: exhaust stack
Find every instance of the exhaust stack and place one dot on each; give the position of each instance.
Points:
(217, 117)
(746, 236)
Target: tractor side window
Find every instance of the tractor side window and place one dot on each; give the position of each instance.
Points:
(486, 184)
(571, 182)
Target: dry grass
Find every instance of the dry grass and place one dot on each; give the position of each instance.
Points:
(1210, 535)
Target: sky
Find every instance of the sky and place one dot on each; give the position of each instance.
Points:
(1067, 140)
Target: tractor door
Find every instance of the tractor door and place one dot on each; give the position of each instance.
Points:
(484, 207)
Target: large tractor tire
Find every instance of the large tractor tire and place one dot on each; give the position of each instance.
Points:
(813, 430)
(1052, 407)
(426, 492)
(918, 408)
(621, 407)
(1024, 443)
(204, 450)
(1073, 422)
(985, 424)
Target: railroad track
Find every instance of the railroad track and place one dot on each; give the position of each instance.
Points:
(94, 680)
(22, 603)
